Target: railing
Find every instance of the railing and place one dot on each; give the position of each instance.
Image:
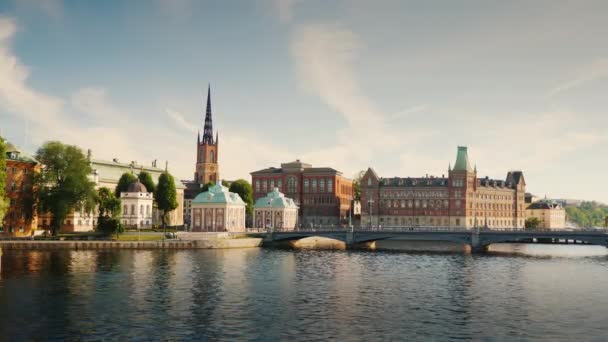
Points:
(429, 229)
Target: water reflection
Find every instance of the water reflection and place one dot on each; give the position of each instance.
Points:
(266, 294)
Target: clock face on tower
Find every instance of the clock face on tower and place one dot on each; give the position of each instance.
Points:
(212, 169)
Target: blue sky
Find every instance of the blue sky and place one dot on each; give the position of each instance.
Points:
(395, 85)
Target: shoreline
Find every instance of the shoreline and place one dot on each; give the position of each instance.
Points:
(166, 244)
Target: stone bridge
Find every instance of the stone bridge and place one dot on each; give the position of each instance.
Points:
(478, 239)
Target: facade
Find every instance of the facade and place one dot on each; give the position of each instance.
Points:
(275, 211)
(207, 165)
(323, 195)
(106, 174)
(459, 200)
(137, 206)
(218, 210)
(20, 219)
(550, 213)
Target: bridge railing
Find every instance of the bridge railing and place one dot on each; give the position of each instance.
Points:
(438, 229)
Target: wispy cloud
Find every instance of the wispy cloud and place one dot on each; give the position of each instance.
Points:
(178, 119)
(589, 73)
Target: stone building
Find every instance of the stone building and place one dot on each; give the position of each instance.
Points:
(20, 218)
(275, 211)
(207, 161)
(218, 210)
(106, 174)
(137, 206)
(459, 200)
(550, 213)
(323, 195)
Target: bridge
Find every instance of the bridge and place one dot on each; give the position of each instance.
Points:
(477, 239)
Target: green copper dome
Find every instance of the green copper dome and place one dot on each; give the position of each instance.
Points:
(275, 199)
(218, 194)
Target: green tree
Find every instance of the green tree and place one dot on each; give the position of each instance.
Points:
(108, 204)
(146, 179)
(207, 186)
(165, 195)
(125, 180)
(532, 223)
(245, 191)
(3, 199)
(357, 185)
(63, 184)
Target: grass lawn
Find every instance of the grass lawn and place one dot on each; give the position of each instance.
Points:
(141, 237)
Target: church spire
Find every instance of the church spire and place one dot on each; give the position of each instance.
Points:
(208, 131)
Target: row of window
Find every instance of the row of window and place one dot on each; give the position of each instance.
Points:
(414, 194)
(320, 200)
(14, 170)
(11, 229)
(310, 185)
(125, 209)
(268, 185)
(395, 221)
(416, 203)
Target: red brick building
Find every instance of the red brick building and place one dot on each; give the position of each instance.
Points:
(20, 219)
(460, 200)
(323, 195)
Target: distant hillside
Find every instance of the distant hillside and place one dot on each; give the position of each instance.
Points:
(588, 214)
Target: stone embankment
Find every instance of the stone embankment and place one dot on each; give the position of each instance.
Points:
(190, 241)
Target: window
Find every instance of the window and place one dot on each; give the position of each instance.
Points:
(212, 156)
(322, 185)
(141, 209)
(264, 185)
(369, 182)
(13, 186)
(148, 210)
(125, 210)
(257, 185)
(280, 185)
(314, 185)
(133, 212)
(306, 185)
(330, 185)
(292, 184)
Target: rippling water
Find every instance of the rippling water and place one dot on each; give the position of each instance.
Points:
(301, 295)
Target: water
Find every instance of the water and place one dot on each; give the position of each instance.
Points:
(272, 295)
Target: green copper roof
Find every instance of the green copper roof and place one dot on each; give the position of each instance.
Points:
(462, 160)
(15, 154)
(110, 171)
(218, 194)
(275, 199)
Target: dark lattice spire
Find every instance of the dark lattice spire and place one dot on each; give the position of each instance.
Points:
(208, 132)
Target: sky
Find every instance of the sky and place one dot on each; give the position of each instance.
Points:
(349, 84)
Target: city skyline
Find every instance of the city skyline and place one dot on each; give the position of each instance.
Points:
(297, 80)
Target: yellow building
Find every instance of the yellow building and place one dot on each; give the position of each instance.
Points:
(551, 214)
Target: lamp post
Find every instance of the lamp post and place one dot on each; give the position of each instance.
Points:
(369, 204)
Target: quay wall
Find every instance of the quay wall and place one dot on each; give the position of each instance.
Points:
(167, 244)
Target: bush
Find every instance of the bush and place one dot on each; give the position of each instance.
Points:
(109, 226)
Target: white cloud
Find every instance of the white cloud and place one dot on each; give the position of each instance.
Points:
(589, 73)
(179, 120)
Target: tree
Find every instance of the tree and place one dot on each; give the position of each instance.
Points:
(146, 179)
(125, 180)
(63, 184)
(207, 186)
(532, 223)
(245, 191)
(165, 195)
(357, 185)
(108, 204)
(3, 199)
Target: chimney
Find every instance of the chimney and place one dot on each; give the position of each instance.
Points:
(115, 160)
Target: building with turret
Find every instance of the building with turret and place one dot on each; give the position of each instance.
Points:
(462, 199)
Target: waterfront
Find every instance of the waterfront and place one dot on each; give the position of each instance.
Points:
(275, 294)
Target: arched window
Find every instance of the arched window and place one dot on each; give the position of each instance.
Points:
(213, 156)
(148, 210)
(133, 212)
(141, 209)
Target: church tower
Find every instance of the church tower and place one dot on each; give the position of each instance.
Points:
(207, 168)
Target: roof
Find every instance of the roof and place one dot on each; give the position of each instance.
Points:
(111, 171)
(417, 182)
(296, 166)
(275, 199)
(544, 205)
(137, 186)
(218, 194)
(462, 160)
(15, 154)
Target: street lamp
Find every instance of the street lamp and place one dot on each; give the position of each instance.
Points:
(369, 204)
